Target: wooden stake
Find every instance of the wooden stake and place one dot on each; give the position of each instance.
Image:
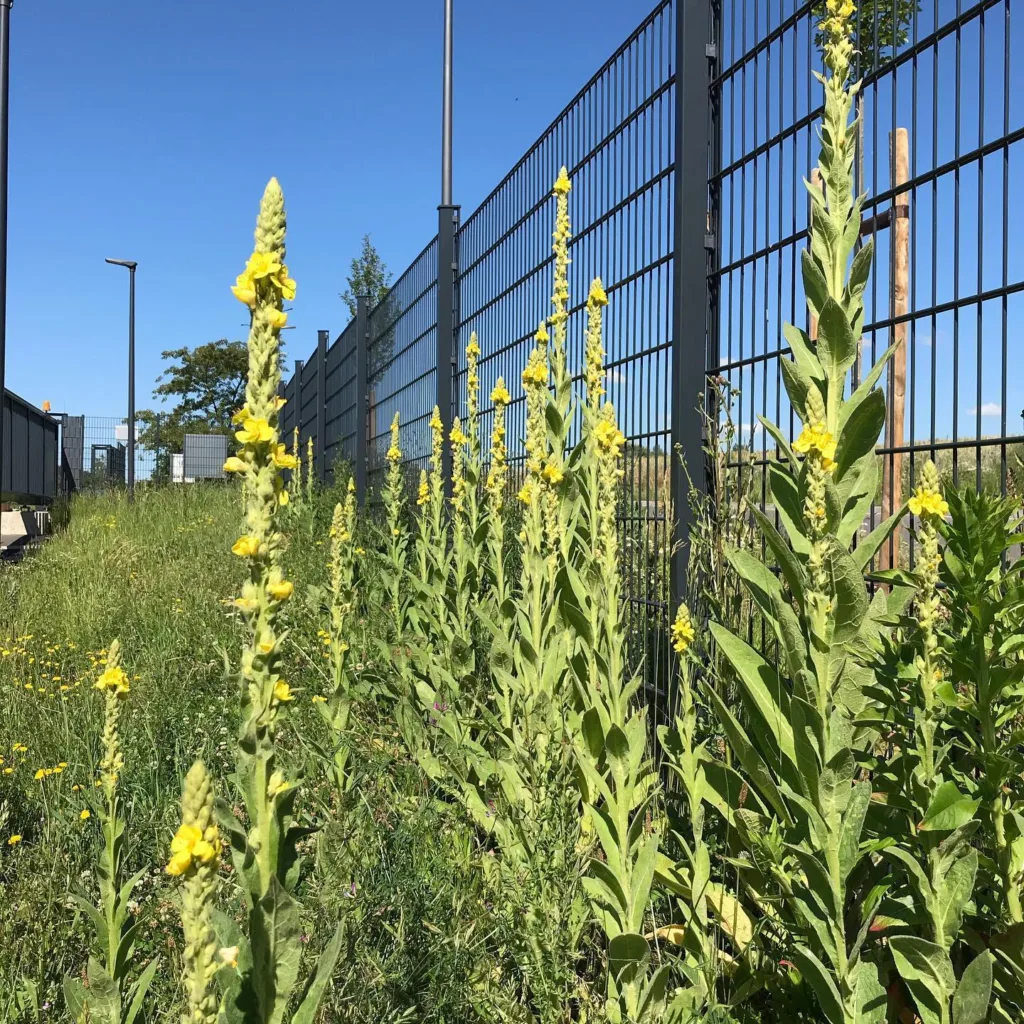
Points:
(892, 464)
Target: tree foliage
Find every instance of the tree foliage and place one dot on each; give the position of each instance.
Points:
(367, 275)
(208, 385)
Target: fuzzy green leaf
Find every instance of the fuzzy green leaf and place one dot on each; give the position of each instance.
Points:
(860, 433)
(821, 982)
(974, 993)
(837, 347)
(317, 987)
(949, 809)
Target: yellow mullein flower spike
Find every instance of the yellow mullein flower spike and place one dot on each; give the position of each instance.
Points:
(683, 633)
(195, 857)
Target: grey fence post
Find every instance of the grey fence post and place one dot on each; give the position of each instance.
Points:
(447, 321)
(361, 441)
(321, 405)
(694, 53)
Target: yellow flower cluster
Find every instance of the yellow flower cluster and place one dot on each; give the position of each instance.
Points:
(837, 29)
(497, 472)
(263, 266)
(456, 436)
(683, 633)
(500, 395)
(423, 492)
(927, 501)
(609, 438)
(816, 438)
(593, 355)
(192, 846)
(394, 453)
(115, 680)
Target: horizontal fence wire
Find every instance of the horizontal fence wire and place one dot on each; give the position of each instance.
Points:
(940, 153)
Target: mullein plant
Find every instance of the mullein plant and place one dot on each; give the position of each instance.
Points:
(343, 610)
(310, 469)
(796, 813)
(295, 482)
(195, 859)
(109, 995)
(396, 537)
(263, 848)
(619, 784)
(935, 851)
(690, 879)
(495, 485)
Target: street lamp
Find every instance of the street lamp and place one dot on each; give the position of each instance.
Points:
(131, 265)
(5, 51)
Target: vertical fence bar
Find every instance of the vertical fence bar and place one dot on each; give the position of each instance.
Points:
(690, 287)
(447, 320)
(362, 393)
(321, 405)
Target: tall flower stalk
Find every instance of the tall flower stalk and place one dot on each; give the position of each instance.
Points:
(195, 858)
(343, 599)
(110, 996)
(264, 851)
(396, 537)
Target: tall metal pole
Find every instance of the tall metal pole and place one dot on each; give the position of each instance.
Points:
(446, 114)
(131, 381)
(130, 468)
(5, 53)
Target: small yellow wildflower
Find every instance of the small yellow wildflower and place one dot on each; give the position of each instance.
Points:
(276, 317)
(283, 692)
(563, 186)
(255, 431)
(318, 699)
(423, 492)
(553, 474)
(285, 283)
(283, 459)
(682, 630)
(281, 591)
(244, 289)
(85, 815)
(246, 547)
(457, 436)
(525, 495)
(500, 395)
(473, 348)
(40, 775)
(14, 840)
(234, 465)
(262, 264)
(597, 293)
(188, 845)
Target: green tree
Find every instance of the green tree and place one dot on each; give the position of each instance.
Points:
(208, 384)
(367, 275)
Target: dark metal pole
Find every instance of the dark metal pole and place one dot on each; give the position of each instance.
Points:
(131, 381)
(361, 439)
(322, 338)
(447, 322)
(446, 115)
(692, 243)
(5, 53)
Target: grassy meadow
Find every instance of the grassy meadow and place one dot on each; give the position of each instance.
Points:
(158, 575)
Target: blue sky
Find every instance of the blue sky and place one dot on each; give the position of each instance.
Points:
(147, 131)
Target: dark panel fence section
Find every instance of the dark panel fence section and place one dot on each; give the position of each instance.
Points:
(29, 459)
(686, 151)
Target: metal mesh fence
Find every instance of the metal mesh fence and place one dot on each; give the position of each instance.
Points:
(941, 147)
(686, 151)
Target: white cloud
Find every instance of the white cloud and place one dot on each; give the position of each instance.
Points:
(616, 376)
(988, 409)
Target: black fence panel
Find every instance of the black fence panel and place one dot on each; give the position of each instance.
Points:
(342, 407)
(402, 364)
(29, 459)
